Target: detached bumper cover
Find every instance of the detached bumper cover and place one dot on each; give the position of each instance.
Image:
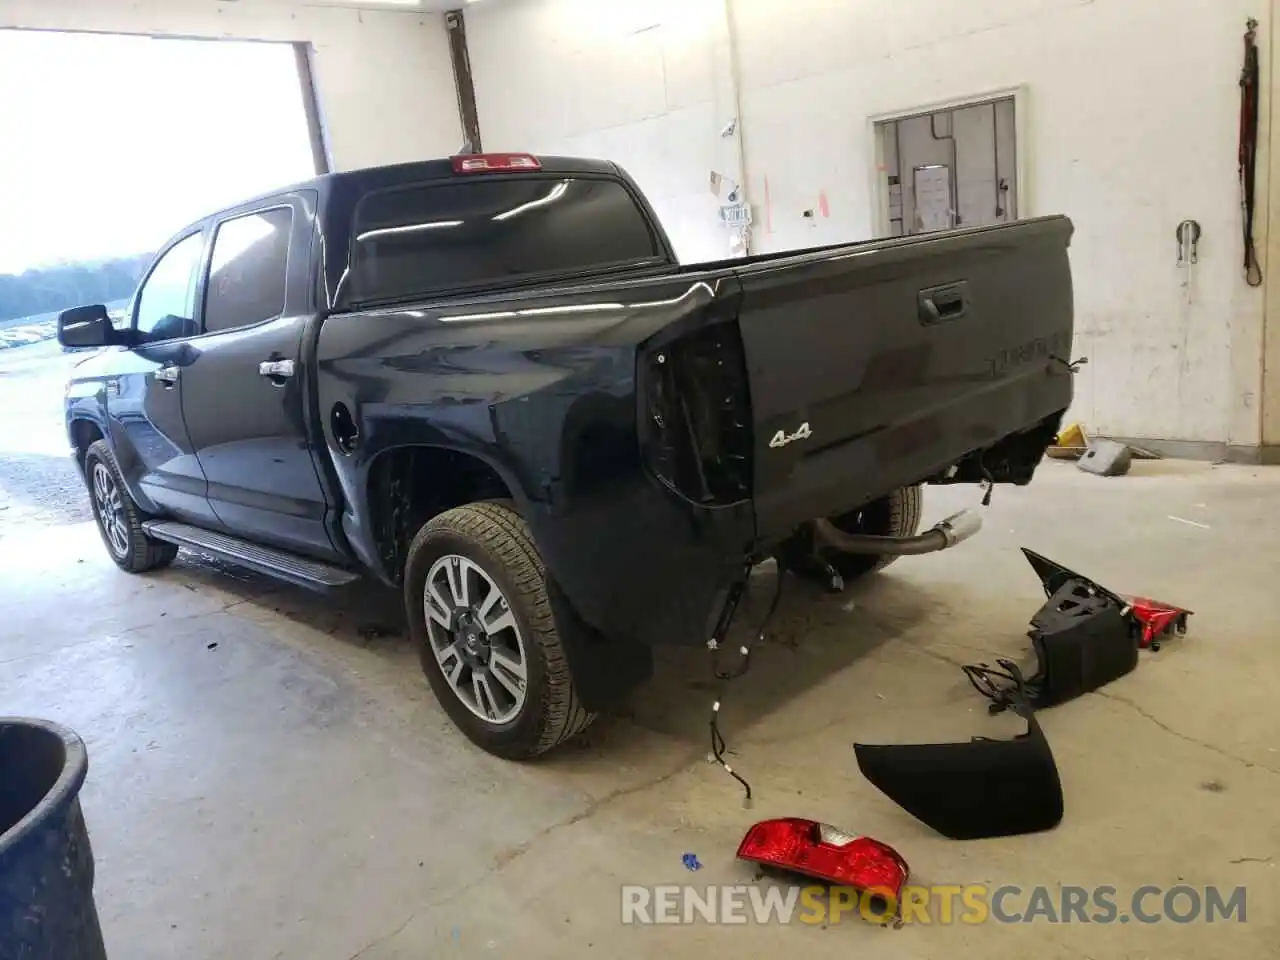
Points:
(1083, 637)
(969, 791)
(1082, 642)
(1149, 619)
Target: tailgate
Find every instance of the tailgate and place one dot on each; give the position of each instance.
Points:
(880, 365)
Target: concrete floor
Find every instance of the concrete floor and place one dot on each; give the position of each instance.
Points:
(270, 776)
(38, 482)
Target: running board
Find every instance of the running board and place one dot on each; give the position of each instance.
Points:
(280, 564)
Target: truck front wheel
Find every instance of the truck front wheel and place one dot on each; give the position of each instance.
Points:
(897, 515)
(119, 519)
(476, 599)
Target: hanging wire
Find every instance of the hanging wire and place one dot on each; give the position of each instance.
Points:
(719, 746)
(986, 679)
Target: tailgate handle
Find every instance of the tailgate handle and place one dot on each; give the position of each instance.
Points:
(941, 304)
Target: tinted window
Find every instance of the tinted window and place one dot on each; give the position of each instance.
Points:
(166, 302)
(438, 237)
(247, 273)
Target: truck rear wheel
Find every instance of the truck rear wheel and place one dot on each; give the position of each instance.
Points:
(897, 515)
(476, 599)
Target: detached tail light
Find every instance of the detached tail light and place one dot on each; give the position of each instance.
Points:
(1151, 619)
(1156, 619)
(826, 853)
(495, 163)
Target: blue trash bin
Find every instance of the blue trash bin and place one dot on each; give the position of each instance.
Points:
(46, 865)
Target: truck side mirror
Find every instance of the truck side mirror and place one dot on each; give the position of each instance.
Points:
(86, 327)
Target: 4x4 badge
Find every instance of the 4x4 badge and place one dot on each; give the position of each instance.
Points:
(782, 438)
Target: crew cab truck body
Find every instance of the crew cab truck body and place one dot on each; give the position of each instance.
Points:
(488, 381)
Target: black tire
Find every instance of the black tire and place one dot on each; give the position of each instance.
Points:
(495, 538)
(897, 515)
(132, 550)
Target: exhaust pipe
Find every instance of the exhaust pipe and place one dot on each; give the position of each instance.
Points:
(942, 536)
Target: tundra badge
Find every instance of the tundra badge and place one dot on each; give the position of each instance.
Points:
(782, 438)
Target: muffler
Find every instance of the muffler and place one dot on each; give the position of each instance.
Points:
(942, 536)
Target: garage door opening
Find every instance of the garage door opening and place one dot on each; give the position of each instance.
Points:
(114, 142)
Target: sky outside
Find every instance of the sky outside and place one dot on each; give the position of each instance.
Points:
(110, 144)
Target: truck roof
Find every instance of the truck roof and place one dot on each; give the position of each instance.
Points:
(365, 179)
(339, 194)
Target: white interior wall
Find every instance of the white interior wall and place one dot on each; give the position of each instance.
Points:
(383, 77)
(646, 84)
(1131, 126)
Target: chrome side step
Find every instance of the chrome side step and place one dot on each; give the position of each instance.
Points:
(273, 562)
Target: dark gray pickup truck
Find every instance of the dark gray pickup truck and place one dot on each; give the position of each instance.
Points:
(487, 380)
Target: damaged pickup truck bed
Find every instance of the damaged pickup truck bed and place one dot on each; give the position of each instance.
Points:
(488, 382)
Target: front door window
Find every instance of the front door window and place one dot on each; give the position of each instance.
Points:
(166, 302)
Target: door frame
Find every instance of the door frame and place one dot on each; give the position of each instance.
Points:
(299, 306)
(879, 186)
(133, 467)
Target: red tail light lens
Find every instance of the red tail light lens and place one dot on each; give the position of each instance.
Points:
(826, 853)
(495, 163)
(1156, 618)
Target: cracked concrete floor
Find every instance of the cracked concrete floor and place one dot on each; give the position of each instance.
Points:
(271, 778)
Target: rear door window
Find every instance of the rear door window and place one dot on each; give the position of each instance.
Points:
(435, 238)
(248, 272)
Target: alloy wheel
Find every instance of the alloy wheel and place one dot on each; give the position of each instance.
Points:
(108, 504)
(476, 639)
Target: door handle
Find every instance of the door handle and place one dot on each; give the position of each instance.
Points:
(276, 369)
(167, 375)
(941, 304)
